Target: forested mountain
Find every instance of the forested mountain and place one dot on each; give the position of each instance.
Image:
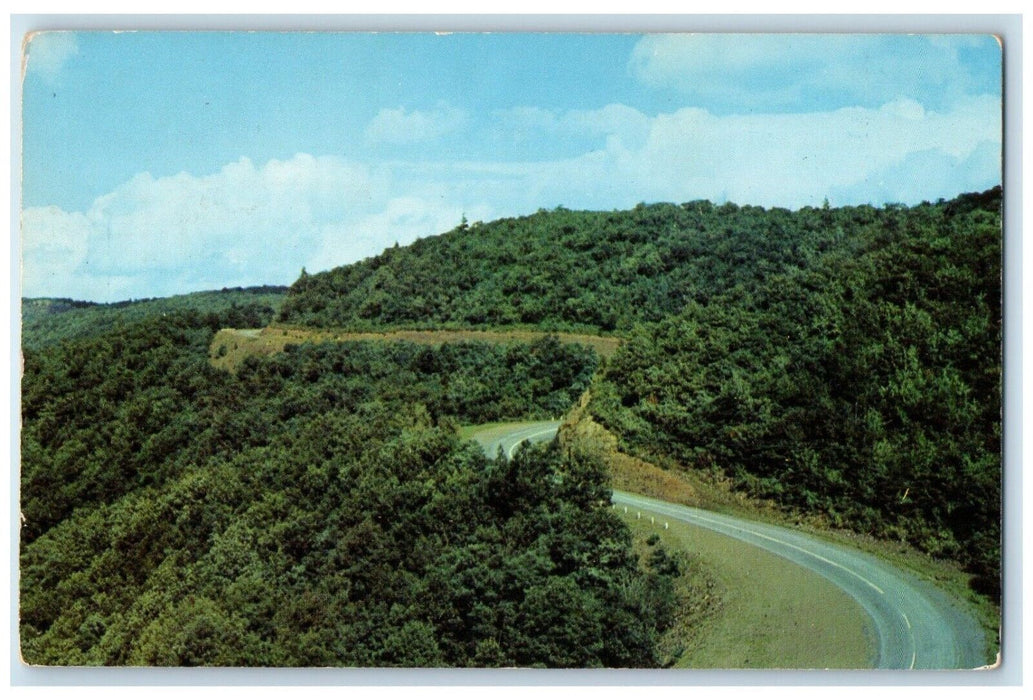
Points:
(844, 360)
(315, 509)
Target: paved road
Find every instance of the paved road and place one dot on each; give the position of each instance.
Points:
(915, 624)
(511, 436)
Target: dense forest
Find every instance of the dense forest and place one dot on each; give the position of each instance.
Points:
(867, 387)
(568, 270)
(844, 361)
(316, 509)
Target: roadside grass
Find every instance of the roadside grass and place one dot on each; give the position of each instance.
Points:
(748, 609)
(695, 588)
(231, 346)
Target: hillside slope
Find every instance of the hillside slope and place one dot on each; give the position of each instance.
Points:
(843, 361)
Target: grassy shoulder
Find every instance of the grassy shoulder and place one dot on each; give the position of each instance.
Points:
(742, 607)
(487, 432)
(697, 592)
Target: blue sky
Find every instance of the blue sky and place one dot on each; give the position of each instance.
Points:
(162, 163)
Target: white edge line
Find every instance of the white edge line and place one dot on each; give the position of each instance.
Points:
(914, 645)
(524, 439)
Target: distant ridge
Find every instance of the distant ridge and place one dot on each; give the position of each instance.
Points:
(46, 321)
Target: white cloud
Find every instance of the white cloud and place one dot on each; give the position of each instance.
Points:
(926, 175)
(788, 160)
(796, 159)
(612, 121)
(402, 221)
(398, 127)
(242, 225)
(744, 71)
(245, 218)
(54, 244)
(253, 224)
(49, 51)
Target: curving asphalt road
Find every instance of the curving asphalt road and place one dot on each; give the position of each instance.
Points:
(916, 625)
